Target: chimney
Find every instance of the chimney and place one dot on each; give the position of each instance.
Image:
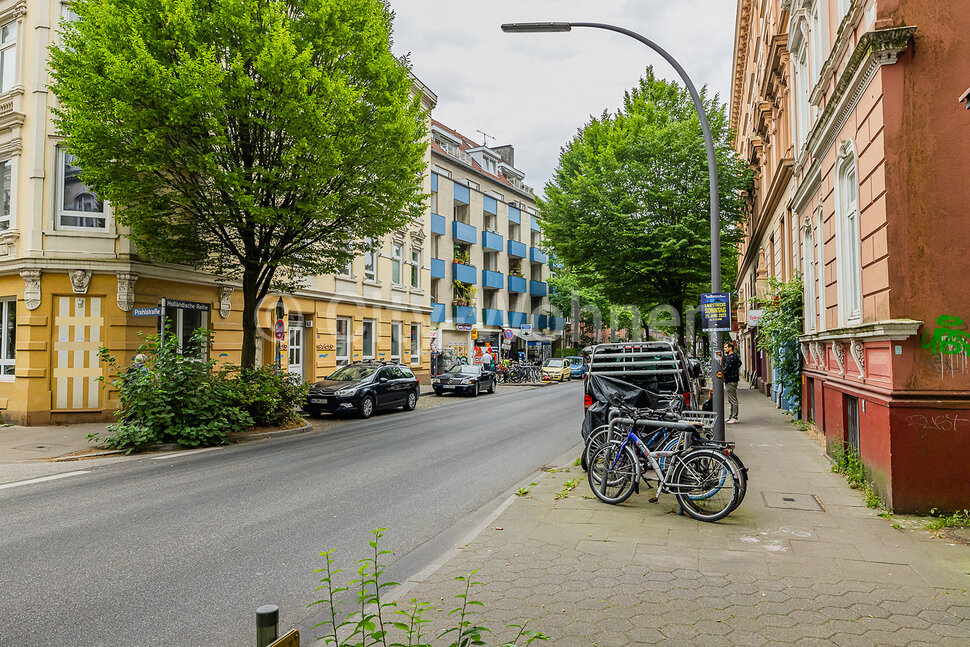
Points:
(507, 153)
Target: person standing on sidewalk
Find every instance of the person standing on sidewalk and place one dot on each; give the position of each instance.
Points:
(731, 366)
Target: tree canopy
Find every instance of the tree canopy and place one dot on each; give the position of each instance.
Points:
(629, 204)
(259, 140)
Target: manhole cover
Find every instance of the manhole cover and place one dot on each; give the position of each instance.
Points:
(789, 501)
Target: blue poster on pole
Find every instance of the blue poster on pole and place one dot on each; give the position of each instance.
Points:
(716, 312)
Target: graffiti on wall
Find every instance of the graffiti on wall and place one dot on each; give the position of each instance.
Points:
(943, 422)
(950, 345)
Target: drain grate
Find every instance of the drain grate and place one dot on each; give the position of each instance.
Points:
(792, 501)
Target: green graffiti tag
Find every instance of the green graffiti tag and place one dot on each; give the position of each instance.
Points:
(950, 338)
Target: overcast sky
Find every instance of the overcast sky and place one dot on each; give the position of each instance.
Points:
(535, 90)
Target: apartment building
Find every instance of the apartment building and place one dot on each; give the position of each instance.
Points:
(488, 270)
(71, 282)
(876, 206)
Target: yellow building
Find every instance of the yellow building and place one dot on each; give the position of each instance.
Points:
(70, 282)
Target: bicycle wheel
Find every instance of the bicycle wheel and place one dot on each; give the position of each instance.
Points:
(740, 471)
(613, 473)
(705, 485)
(594, 442)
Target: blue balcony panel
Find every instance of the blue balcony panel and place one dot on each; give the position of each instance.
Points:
(535, 224)
(437, 268)
(557, 323)
(542, 322)
(537, 288)
(517, 249)
(434, 182)
(490, 205)
(536, 255)
(438, 224)
(515, 215)
(516, 319)
(491, 240)
(465, 315)
(492, 279)
(465, 273)
(518, 284)
(462, 194)
(437, 312)
(465, 233)
(493, 317)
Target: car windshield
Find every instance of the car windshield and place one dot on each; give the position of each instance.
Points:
(553, 363)
(352, 373)
(575, 361)
(471, 369)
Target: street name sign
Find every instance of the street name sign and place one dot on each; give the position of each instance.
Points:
(154, 311)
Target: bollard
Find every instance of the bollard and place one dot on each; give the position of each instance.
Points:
(267, 625)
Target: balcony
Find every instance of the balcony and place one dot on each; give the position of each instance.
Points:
(557, 323)
(464, 233)
(491, 240)
(542, 322)
(490, 205)
(535, 224)
(438, 312)
(537, 288)
(492, 317)
(495, 280)
(438, 225)
(465, 273)
(434, 182)
(518, 284)
(516, 319)
(515, 215)
(517, 249)
(536, 255)
(465, 315)
(437, 268)
(462, 194)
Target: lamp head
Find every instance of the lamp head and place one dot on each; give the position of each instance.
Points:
(279, 308)
(535, 27)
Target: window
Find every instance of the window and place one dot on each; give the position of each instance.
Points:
(434, 203)
(443, 172)
(347, 269)
(370, 261)
(8, 56)
(820, 265)
(849, 258)
(471, 184)
(490, 165)
(397, 255)
(368, 336)
(396, 341)
(415, 267)
(78, 206)
(183, 323)
(6, 184)
(844, 8)
(808, 257)
(342, 345)
(415, 344)
(8, 337)
(803, 90)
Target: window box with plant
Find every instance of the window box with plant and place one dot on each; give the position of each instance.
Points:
(464, 294)
(461, 255)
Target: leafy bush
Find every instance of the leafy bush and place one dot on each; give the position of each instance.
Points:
(172, 398)
(849, 464)
(778, 332)
(268, 396)
(369, 625)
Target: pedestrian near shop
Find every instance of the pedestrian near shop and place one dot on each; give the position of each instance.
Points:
(487, 360)
(731, 366)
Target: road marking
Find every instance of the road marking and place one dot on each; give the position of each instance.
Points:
(177, 454)
(44, 478)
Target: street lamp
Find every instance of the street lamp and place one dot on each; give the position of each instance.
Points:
(279, 320)
(547, 27)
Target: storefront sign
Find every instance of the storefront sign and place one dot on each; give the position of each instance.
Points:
(716, 312)
(464, 327)
(754, 317)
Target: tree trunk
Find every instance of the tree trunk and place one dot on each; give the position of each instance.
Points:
(249, 323)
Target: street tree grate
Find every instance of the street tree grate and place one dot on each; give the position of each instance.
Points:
(791, 501)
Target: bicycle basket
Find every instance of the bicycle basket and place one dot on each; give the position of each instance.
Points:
(703, 418)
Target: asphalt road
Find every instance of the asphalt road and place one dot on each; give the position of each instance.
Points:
(181, 550)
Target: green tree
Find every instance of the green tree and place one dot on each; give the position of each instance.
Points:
(778, 331)
(629, 203)
(260, 140)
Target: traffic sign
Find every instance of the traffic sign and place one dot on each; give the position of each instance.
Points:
(525, 329)
(508, 334)
(279, 330)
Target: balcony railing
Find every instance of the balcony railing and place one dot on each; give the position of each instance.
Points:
(437, 268)
(514, 215)
(437, 312)
(464, 273)
(557, 323)
(536, 255)
(492, 317)
(491, 240)
(516, 319)
(492, 279)
(517, 249)
(465, 315)
(490, 205)
(518, 284)
(438, 225)
(542, 322)
(462, 194)
(465, 233)
(537, 288)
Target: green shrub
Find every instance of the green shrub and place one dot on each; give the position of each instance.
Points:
(269, 397)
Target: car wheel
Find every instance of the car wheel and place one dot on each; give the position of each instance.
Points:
(314, 413)
(475, 390)
(438, 391)
(367, 407)
(491, 389)
(412, 401)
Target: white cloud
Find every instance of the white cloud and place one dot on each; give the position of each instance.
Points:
(535, 90)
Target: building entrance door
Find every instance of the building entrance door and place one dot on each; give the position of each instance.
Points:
(295, 347)
(78, 325)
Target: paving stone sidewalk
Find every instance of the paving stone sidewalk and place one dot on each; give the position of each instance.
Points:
(638, 574)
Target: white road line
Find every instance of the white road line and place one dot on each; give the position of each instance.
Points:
(44, 478)
(177, 454)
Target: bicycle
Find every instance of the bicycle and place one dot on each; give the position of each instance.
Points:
(704, 481)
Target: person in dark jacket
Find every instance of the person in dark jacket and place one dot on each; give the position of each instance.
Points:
(731, 367)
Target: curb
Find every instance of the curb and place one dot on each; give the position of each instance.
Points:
(256, 435)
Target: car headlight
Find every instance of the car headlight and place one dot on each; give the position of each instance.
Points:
(346, 393)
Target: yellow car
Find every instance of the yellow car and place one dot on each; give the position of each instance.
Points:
(556, 368)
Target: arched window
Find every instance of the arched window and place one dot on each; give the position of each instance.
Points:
(820, 264)
(848, 231)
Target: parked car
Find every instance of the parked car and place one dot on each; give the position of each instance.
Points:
(556, 368)
(657, 366)
(577, 366)
(465, 378)
(364, 387)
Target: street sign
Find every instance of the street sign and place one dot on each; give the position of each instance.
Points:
(525, 329)
(154, 311)
(716, 312)
(291, 639)
(187, 305)
(279, 330)
(508, 334)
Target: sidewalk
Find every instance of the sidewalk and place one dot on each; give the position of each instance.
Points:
(774, 572)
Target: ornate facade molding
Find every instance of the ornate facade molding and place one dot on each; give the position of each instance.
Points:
(858, 351)
(31, 288)
(225, 300)
(805, 353)
(838, 350)
(890, 329)
(126, 290)
(8, 242)
(818, 350)
(80, 280)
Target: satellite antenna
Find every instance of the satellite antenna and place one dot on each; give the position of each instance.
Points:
(485, 137)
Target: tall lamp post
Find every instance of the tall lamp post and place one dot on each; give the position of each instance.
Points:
(545, 27)
(277, 332)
